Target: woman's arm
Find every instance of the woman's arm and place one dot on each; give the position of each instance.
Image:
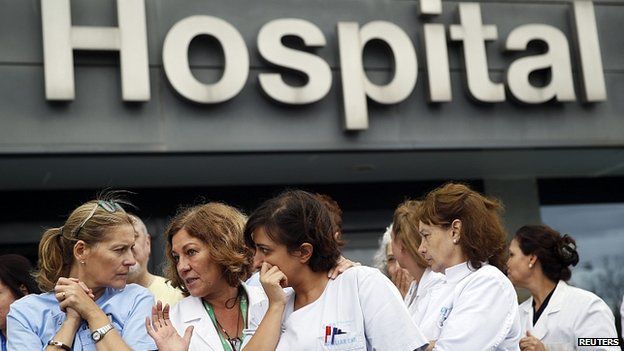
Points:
(267, 334)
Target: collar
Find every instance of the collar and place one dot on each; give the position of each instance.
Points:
(458, 272)
(558, 298)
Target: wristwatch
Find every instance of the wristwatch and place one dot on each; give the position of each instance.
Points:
(99, 333)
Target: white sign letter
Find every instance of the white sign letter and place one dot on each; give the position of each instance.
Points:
(589, 51)
(60, 38)
(474, 34)
(178, 71)
(315, 68)
(356, 86)
(557, 58)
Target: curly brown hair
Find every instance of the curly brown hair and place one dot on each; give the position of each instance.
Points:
(219, 226)
(483, 237)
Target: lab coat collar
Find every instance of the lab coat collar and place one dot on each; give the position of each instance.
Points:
(458, 272)
(425, 282)
(194, 313)
(557, 300)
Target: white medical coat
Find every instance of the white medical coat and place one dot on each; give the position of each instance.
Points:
(190, 311)
(473, 310)
(571, 313)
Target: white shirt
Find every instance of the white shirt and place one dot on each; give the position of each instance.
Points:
(359, 310)
(190, 311)
(418, 297)
(473, 310)
(571, 313)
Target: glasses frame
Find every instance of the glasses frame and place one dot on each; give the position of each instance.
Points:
(108, 206)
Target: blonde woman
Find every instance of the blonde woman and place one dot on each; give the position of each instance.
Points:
(83, 267)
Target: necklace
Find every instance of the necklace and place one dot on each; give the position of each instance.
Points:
(230, 343)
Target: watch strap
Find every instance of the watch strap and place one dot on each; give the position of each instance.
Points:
(59, 344)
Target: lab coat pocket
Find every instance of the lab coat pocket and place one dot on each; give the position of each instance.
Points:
(559, 347)
(342, 336)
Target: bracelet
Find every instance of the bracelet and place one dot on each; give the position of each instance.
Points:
(59, 344)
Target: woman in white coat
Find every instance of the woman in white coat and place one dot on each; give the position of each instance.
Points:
(556, 314)
(208, 260)
(476, 307)
(405, 242)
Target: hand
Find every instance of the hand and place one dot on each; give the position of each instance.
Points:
(531, 343)
(402, 280)
(342, 265)
(163, 332)
(431, 345)
(273, 282)
(74, 295)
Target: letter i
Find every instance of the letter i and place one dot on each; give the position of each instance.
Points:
(438, 72)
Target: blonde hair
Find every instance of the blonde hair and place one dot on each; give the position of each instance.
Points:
(220, 227)
(405, 229)
(56, 248)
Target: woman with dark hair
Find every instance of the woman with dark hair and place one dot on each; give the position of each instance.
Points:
(556, 314)
(476, 305)
(15, 282)
(83, 270)
(296, 246)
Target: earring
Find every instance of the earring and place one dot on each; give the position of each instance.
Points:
(82, 262)
(455, 241)
(530, 265)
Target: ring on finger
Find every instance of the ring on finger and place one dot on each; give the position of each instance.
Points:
(63, 294)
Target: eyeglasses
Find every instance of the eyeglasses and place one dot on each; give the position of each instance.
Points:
(108, 206)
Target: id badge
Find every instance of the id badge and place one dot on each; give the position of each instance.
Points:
(342, 336)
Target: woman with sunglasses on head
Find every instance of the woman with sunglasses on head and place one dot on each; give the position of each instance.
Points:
(476, 306)
(359, 310)
(15, 283)
(405, 243)
(556, 314)
(83, 267)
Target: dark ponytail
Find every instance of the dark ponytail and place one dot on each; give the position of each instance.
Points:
(554, 252)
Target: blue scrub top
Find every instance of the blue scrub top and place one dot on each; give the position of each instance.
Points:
(35, 319)
(3, 342)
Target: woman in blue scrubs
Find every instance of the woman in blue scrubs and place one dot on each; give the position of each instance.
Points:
(83, 267)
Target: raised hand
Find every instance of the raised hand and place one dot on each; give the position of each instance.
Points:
(273, 282)
(402, 280)
(531, 343)
(163, 332)
(74, 297)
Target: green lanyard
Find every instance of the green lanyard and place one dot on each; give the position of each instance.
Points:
(227, 345)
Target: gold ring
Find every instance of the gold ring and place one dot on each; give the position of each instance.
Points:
(63, 294)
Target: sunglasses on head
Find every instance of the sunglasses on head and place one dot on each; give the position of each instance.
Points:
(108, 206)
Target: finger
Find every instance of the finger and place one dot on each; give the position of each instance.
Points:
(529, 333)
(159, 312)
(165, 314)
(331, 274)
(148, 327)
(265, 268)
(154, 318)
(188, 333)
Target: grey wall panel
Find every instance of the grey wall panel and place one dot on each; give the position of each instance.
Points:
(96, 121)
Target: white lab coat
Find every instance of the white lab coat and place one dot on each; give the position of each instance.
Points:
(571, 313)
(473, 310)
(190, 311)
(418, 296)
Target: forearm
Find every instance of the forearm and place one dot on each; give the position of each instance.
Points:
(268, 333)
(66, 334)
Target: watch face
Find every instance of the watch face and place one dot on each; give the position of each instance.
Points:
(96, 335)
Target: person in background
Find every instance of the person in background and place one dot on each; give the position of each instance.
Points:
(87, 305)
(464, 238)
(556, 314)
(15, 282)
(385, 260)
(405, 243)
(359, 310)
(157, 285)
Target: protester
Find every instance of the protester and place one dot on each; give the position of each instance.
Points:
(157, 285)
(556, 314)
(386, 262)
(207, 259)
(405, 243)
(15, 283)
(360, 309)
(463, 237)
(83, 269)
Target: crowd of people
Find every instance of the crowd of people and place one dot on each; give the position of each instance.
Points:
(445, 279)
